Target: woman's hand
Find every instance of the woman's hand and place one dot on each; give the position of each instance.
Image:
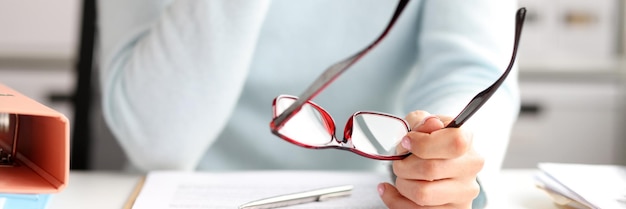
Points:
(440, 172)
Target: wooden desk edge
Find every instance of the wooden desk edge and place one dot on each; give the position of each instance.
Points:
(133, 196)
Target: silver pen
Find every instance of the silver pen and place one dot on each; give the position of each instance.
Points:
(299, 198)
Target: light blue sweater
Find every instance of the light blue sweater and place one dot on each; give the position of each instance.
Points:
(188, 84)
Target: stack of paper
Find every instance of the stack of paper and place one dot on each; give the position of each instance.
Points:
(205, 190)
(24, 201)
(584, 185)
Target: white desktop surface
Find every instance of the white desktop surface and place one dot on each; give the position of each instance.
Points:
(110, 190)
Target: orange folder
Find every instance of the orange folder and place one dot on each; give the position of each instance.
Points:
(34, 140)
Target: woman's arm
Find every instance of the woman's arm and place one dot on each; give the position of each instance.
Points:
(463, 47)
(171, 73)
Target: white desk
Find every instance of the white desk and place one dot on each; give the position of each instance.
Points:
(108, 190)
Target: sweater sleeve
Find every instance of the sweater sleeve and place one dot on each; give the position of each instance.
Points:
(463, 47)
(151, 50)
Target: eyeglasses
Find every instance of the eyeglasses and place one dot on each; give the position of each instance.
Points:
(374, 135)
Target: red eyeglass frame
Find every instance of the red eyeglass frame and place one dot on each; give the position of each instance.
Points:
(335, 143)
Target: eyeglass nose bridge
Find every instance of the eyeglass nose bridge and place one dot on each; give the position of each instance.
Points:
(345, 143)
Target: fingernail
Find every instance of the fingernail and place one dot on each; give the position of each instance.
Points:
(381, 189)
(406, 143)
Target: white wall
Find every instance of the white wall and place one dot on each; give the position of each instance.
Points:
(39, 28)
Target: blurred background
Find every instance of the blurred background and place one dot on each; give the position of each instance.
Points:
(572, 74)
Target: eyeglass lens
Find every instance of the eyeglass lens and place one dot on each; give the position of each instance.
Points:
(371, 133)
(308, 126)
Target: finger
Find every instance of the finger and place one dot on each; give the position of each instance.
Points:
(392, 198)
(440, 192)
(467, 205)
(414, 118)
(442, 144)
(416, 168)
(421, 121)
(428, 124)
(446, 119)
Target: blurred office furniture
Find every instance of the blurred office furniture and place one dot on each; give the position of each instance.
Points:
(82, 95)
(570, 34)
(572, 73)
(568, 118)
(94, 147)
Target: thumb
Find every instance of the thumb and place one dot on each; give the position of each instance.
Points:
(429, 124)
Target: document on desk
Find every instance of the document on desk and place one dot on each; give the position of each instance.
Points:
(585, 185)
(204, 190)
